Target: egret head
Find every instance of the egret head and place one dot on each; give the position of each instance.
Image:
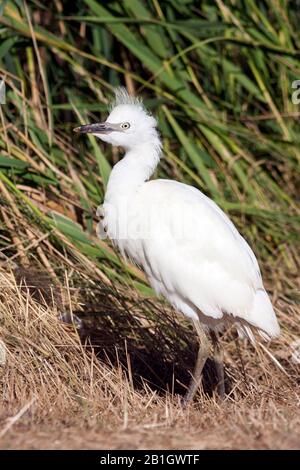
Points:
(128, 124)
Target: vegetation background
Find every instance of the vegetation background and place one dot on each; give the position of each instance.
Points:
(218, 75)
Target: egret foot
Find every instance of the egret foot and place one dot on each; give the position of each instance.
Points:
(203, 353)
(219, 364)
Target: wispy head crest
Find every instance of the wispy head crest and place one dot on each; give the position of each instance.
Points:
(123, 97)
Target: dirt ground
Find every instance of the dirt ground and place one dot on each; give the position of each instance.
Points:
(230, 427)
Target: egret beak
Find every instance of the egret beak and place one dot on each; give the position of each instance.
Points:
(97, 128)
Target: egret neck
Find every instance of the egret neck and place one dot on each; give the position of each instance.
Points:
(135, 168)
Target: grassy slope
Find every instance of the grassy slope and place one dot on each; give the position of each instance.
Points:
(219, 81)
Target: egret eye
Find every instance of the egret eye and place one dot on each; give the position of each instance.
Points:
(125, 125)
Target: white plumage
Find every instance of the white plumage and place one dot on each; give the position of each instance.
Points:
(194, 256)
(189, 249)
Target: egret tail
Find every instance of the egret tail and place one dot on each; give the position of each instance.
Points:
(262, 315)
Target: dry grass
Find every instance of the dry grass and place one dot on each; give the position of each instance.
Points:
(59, 392)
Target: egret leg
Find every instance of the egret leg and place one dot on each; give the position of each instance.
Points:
(203, 353)
(219, 363)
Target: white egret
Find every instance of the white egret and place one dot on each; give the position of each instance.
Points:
(188, 248)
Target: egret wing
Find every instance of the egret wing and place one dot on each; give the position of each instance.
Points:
(193, 252)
